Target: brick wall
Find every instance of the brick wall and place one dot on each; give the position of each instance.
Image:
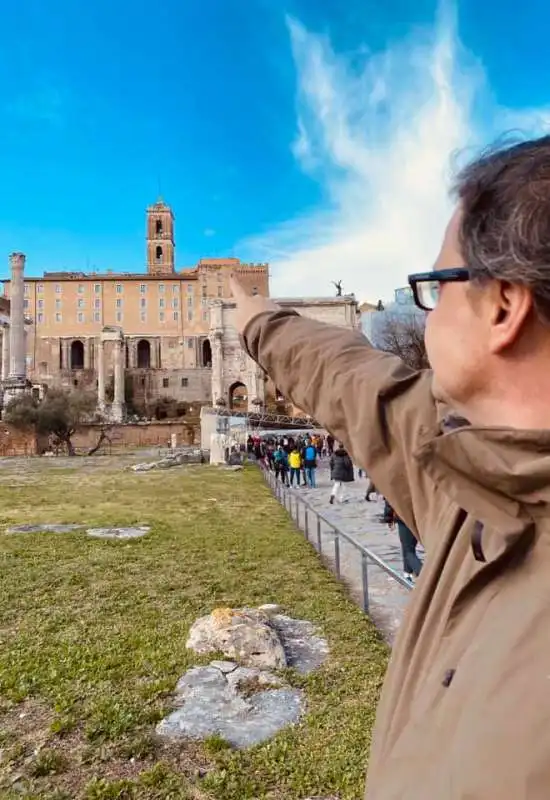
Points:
(140, 435)
(17, 443)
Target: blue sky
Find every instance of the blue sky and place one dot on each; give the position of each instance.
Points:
(315, 134)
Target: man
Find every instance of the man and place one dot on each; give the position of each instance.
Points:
(309, 459)
(465, 709)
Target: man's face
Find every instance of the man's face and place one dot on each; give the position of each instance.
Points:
(456, 331)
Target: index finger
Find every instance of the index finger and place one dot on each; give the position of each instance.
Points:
(236, 287)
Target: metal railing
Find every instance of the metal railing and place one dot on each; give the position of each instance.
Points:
(312, 529)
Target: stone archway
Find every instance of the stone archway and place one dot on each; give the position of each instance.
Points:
(77, 354)
(144, 354)
(206, 353)
(238, 397)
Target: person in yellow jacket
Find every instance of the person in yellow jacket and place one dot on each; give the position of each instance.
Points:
(295, 463)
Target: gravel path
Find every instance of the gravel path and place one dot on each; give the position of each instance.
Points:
(355, 517)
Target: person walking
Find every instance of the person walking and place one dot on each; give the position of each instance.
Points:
(412, 565)
(465, 704)
(281, 465)
(341, 472)
(309, 458)
(295, 463)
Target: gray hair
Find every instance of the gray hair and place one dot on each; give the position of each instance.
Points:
(505, 227)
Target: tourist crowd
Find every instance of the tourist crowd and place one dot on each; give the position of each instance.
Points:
(294, 461)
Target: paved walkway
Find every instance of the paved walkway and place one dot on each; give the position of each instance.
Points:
(356, 517)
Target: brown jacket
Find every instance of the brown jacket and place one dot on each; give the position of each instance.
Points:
(465, 709)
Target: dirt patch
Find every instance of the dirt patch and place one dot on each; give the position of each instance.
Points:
(34, 759)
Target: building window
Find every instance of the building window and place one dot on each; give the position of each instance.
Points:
(176, 316)
(143, 302)
(254, 290)
(204, 301)
(203, 291)
(143, 316)
(175, 302)
(161, 316)
(165, 383)
(58, 288)
(205, 316)
(190, 343)
(41, 318)
(220, 291)
(97, 303)
(219, 277)
(97, 316)
(80, 303)
(190, 301)
(161, 302)
(119, 302)
(80, 316)
(158, 254)
(119, 288)
(58, 304)
(80, 288)
(27, 289)
(97, 288)
(58, 317)
(189, 316)
(161, 288)
(184, 382)
(40, 288)
(40, 304)
(174, 288)
(142, 288)
(119, 316)
(25, 303)
(190, 287)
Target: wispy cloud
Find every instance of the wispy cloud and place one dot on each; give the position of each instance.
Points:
(380, 138)
(209, 232)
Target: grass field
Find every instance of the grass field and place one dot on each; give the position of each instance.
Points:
(92, 637)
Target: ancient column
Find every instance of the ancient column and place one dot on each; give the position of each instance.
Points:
(100, 378)
(118, 402)
(18, 371)
(5, 351)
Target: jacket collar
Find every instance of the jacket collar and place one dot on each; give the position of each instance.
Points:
(501, 475)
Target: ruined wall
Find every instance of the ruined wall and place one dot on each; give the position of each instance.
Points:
(153, 434)
(18, 443)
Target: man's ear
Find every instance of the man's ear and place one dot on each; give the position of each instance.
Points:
(511, 305)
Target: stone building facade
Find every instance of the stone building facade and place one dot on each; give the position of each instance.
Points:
(162, 315)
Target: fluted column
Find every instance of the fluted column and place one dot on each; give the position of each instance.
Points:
(118, 403)
(100, 378)
(17, 370)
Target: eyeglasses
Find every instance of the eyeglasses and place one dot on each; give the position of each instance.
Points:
(427, 285)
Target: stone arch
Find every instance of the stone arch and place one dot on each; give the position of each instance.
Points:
(77, 354)
(158, 254)
(238, 397)
(144, 354)
(206, 353)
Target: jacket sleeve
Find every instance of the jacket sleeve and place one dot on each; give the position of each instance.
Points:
(370, 400)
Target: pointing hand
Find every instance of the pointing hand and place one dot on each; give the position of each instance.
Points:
(248, 306)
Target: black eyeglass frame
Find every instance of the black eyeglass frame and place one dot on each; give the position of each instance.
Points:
(451, 275)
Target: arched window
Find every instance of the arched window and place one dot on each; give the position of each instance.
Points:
(206, 353)
(238, 397)
(158, 227)
(77, 354)
(143, 354)
(158, 254)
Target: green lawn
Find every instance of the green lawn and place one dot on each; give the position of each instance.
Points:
(92, 637)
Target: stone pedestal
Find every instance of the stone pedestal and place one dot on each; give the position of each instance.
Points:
(218, 445)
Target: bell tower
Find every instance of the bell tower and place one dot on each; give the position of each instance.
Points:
(160, 239)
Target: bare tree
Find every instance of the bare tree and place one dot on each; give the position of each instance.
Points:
(403, 335)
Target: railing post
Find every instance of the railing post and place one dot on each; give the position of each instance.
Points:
(337, 553)
(319, 542)
(365, 582)
(306, 522)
